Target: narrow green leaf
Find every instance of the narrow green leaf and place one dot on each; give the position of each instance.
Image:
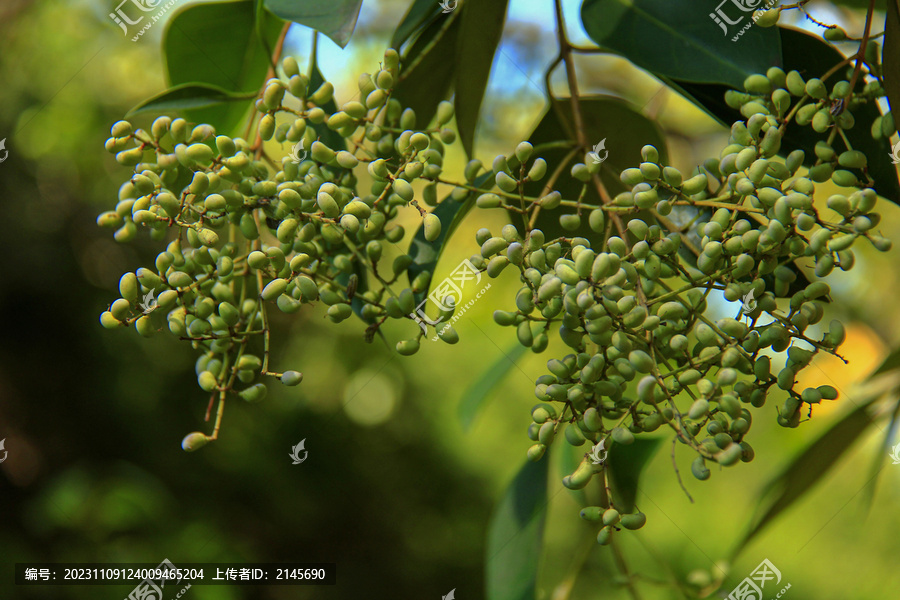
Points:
(334, 18)
(808, 468)
(420, 13)
(890, 363)
(624, 465)
(878, 458)
(474, 398)
(666, 39)
(233, 59)
(516, 536)
(189, 95)
(428, 68)
(482, 27)
(891, 57)
(426, 254)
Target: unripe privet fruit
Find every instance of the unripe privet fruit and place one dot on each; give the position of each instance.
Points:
(254, 393)
(611, 516)
(408, 347)
(604, 536)
(634, 521)
(432, 227)
(699, 469)
(194, 441)
(536, 452)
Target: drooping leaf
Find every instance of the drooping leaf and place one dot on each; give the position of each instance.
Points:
(807, 469)
(481, 29)
(474, 397)
(625, 465)
(516, 535)
(667, 39)
(189, 95)
(625, 131)
(420, 13)
(233, 59)
(426, 70)
(426, 254)
(334, 18)
(891, 56)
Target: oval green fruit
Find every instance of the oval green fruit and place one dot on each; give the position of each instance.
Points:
(634, 521)
(194, 441)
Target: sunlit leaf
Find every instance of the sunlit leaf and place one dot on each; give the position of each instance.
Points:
(233, 59)
(334, 18)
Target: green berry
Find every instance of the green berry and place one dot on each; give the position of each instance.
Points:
(194, 441)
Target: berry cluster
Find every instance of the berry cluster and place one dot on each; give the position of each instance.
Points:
(630, 302)
(632, 307)
(297, 233)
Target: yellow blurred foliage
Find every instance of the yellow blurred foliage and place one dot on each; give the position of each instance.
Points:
(864, 352)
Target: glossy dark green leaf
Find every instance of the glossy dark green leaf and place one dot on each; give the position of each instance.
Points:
(668, 39)
(625, 465)
(189, 95)
(516, 536)
(426, 254)
(427, 70)
(481, 29)
(808, 468)
(891, 56)
(334, 18)
(476, 395)
(625, 131)
(232, 58)
(419, 13)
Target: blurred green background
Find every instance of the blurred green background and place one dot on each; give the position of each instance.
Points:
(393, 491)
